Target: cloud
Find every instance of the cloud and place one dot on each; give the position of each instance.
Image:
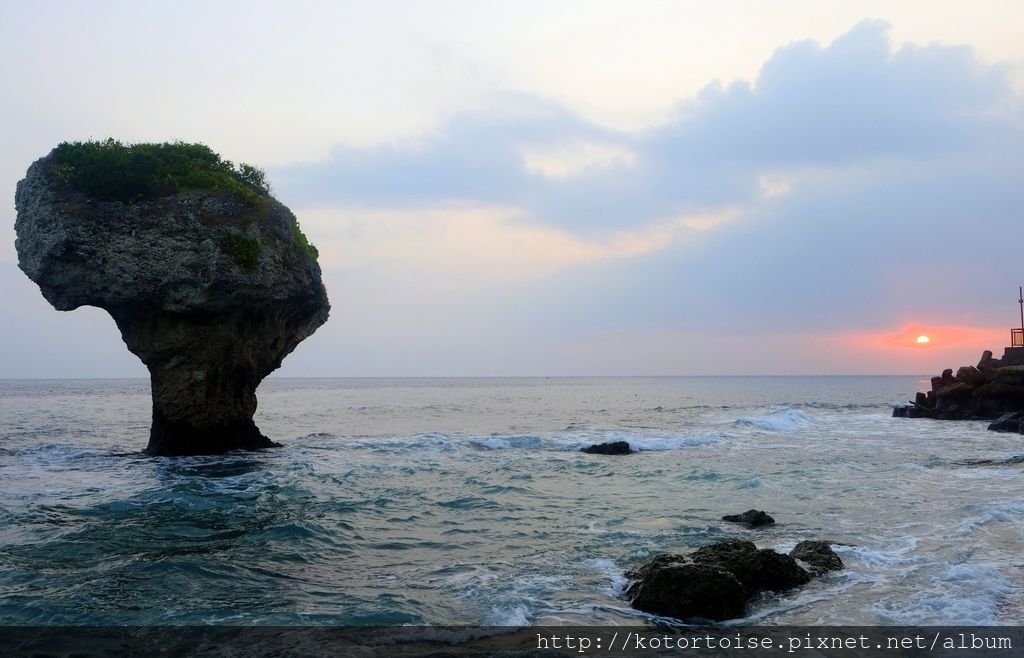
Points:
(853, 103)
(481, 242)
(868, 249)
(848, 190)
(938, 337)
(572, 159)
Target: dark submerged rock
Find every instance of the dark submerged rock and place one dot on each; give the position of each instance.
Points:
(210, 290)
(676, 587)
(714, 582)
(1013, 422)
(1012, 461)
(611, 448)
(818, 555)
(752, 518)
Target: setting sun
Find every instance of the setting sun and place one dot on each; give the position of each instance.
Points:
(923, 340)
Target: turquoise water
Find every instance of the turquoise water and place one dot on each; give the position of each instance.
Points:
(466, 501)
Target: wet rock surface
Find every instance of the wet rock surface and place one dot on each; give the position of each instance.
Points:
(715, 582)
(818, 555)
(1012, 422)
(751, 518)
(610, 448)
(209, 290)
(672, 586)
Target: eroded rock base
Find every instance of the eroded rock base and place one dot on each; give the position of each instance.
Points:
(169, 438)
(204, 370)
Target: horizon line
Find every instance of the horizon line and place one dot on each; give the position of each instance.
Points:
(141, 378)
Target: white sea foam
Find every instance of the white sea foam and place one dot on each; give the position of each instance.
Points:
(573, 441)
(516, 615)
(672, 442)
(436, 441)
(960, 594)
(506, 441)
(492, 443)
(617, 579)
(785, 546)
(924, 589)
(1009, 512)
(899, 551)
(784, 419)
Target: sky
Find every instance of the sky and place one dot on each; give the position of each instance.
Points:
(567, 188)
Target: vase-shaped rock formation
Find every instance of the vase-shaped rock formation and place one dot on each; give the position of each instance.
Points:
(208, 277)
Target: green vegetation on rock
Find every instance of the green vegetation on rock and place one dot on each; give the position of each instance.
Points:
(245, 250)
(112, 171)
(303, 242)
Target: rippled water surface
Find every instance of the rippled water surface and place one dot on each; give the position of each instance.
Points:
(467, 501)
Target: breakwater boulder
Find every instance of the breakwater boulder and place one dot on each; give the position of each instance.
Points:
(987, 391)
(208, 277)
(717, 581)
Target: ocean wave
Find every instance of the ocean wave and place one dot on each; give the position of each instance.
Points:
(959, 594)
(784, 419)
(574, 440)
(899, 551)
(833, 406)
(1009, 512)
(672, 442)
(498, 518)
(499, 442)
(617, 581)
(516, 615)
(570, 440)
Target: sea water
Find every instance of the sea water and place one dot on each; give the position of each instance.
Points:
(467, 501)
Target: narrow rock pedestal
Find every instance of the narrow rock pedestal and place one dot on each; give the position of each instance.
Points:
(204, 372)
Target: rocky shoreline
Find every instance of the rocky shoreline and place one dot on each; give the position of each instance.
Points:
(994, 389)
(718, 581)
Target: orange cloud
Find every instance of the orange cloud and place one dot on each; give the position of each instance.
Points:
(939, 336)
(897, 351)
